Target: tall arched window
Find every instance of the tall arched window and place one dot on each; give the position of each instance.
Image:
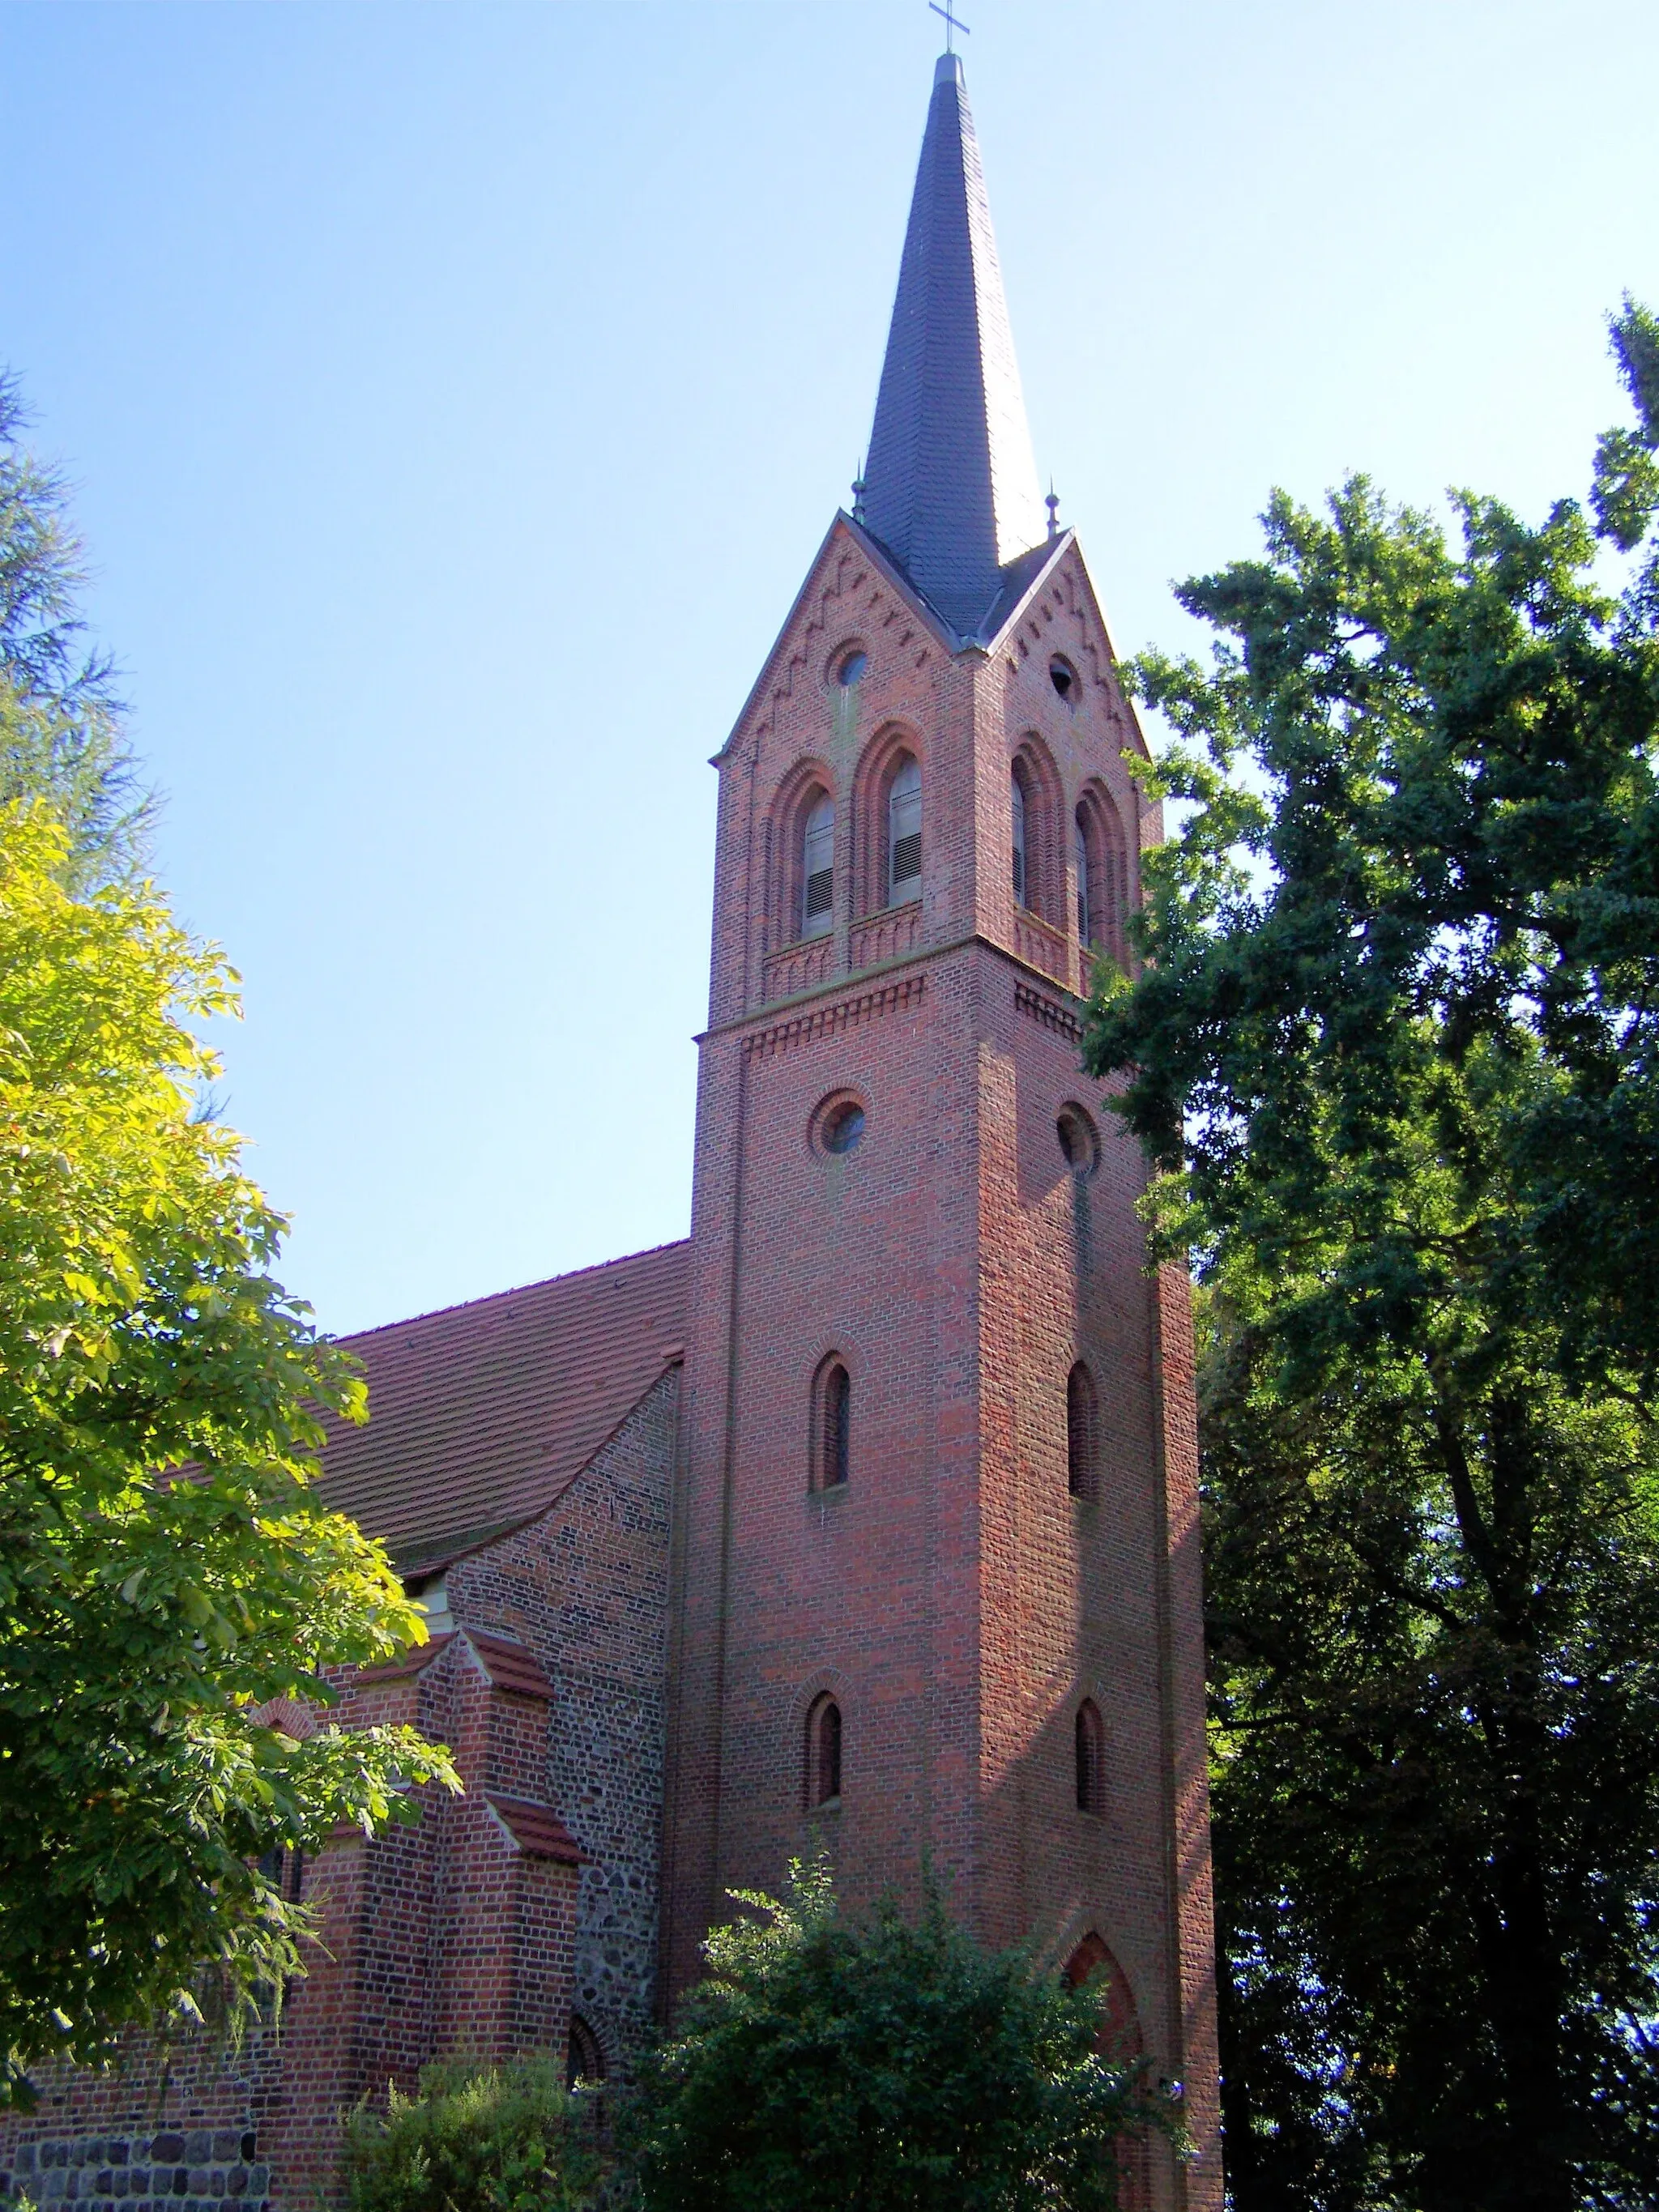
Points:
(824, 1752)
(904, 833)
(1082, 1433)
(1016, 791)
(1080, 847)
(817, 867)
(837, 1442)
(1091, 1758)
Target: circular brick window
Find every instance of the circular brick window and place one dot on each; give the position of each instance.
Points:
(851, 667)
(1079, 1145)
(839, 1125)
(1063, 676)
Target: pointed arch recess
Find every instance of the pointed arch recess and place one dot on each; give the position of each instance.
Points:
(1090, 1755)
(1032, 767)
(1082, 1433)
(830, 1443)
(1118, 2038)
(1099, 830)
(873, 785)
(1120, 2033)
(807, 783)
(821, 1778)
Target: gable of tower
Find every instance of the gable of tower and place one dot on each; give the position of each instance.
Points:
(1059, 613)
(851, 592)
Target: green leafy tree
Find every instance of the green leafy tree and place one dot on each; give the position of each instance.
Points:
(61, 735)
(1395, 1050)
(826, 2062)
(165, 1567)
(475, 2139)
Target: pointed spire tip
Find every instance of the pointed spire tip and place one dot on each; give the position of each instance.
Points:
(951, 487)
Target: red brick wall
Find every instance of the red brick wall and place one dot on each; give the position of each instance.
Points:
(955, 1596)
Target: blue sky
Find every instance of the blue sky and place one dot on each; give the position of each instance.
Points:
(456, 394)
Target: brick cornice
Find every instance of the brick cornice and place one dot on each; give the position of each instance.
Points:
(1050, 1012)
(862, 1006)
(867, 981)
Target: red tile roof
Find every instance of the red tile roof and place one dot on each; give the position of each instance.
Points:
(510, 1666)
(536, 1829)
(480, 1416)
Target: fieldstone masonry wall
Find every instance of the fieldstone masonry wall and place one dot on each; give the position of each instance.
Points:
(188, 2130)
(166, 2172)
(585, 1588)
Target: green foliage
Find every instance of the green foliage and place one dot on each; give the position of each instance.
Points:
(61, 739)
(165, 1564)
(1395, 1050)
(825, 2063)
(476, 2139)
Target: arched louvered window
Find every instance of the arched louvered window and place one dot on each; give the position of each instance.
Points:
(904, 833)
(1091, 1758)
(817, 868)
(1082, 1445)
(824, 1752)
(836, 1442)
(1017, 795)
(1102, 878)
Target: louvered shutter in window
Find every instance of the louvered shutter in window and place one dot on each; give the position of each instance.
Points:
(818, 869)
(1019, 842)
(1084, 931)
(904, 835)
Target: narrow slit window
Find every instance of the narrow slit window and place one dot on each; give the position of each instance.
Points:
(904, 834)
(1091, 1758)
(837, 1426)
(1081, 1432)
(1017, 793)
(824, 1752)
(818, 868)
(1084, 916)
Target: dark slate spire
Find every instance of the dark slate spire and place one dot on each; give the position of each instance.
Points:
(952, 485)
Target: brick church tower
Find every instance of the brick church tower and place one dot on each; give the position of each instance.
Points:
(935, 1581)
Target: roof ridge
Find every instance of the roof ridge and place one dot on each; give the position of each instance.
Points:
(517, 1291)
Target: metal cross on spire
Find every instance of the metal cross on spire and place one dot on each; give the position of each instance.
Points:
(952, 23)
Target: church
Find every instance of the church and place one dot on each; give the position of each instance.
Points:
(863, 1521)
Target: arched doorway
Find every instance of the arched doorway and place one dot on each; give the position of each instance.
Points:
(1118, 2037)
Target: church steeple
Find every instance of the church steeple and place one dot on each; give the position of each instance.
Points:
(951, 487)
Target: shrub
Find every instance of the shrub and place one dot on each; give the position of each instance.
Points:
(475, 2139)
(834, 2065)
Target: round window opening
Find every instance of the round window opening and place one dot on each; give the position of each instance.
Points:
(1063, 676)
(852, 666)
(842, 1126)
(1079, 1144)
